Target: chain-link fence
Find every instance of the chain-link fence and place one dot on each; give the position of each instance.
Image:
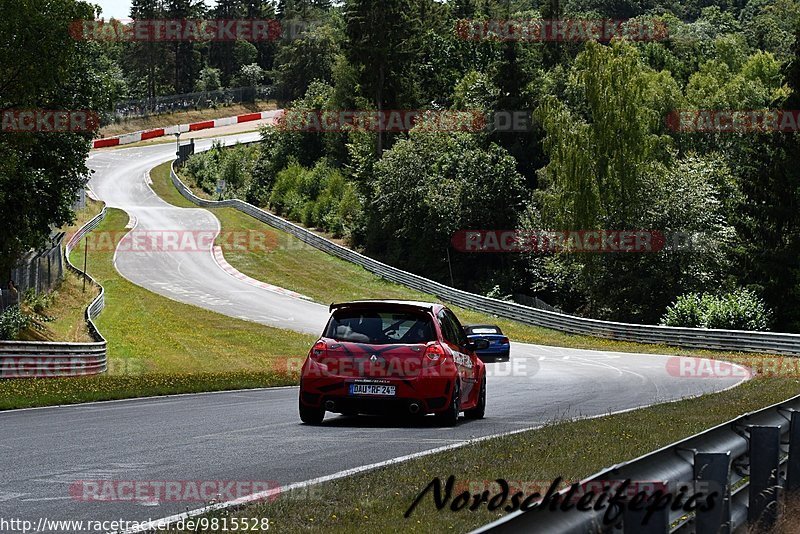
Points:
(145, 107)
(39, 270)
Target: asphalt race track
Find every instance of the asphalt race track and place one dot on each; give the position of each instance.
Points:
(256, 435)
(192, 277)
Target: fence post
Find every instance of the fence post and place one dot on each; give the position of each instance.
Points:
(85, 254)
(793, 464)
(765, 442)
(711, 474)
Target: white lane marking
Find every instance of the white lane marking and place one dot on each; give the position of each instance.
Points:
(39, 499)
(8, 495)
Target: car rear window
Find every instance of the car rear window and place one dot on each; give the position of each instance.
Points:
(380, 327)
(483, 330)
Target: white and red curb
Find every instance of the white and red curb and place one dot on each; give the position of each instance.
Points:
(228, 268)
(143, 135)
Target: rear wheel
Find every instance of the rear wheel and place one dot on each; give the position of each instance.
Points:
(449, 417)
(480, 409)
(311, 416)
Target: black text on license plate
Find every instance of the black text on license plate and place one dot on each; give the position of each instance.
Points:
(371, 389)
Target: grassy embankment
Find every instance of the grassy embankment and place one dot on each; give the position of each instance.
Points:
(157, 346)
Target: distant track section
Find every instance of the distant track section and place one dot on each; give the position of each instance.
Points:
(143, 135)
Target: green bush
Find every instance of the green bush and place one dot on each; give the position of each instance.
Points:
(234, 165)
(286, 181)
(39, 303)
(685, 311)
(12, 322)
(320, 197)
(741, 309)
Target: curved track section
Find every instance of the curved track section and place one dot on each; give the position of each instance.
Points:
(256, 435)
(191, 276)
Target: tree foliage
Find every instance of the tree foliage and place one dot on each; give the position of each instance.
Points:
(43, 67)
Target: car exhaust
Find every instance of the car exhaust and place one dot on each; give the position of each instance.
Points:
(413, 408)
(330, 405)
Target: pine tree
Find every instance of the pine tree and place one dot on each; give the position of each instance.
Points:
(221, 52)
(145, 59)
(378, 36)
(185, 68)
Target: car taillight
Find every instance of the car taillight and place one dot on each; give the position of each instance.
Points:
(318, 351)
(504, 341)
(434, 353)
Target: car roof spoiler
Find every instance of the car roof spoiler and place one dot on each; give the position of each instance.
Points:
(368, 303)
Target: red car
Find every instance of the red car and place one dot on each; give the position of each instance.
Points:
(387, 356)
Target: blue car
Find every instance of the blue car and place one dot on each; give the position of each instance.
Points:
(499, 347)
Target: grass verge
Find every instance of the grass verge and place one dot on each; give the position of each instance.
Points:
(64, 313)
(60, 315)
(376, 501)
(158, 346)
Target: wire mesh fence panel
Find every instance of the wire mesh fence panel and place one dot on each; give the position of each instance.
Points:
(39, 271)
(145, 107)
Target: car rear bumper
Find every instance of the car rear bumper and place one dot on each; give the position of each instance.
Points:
(494, 354)
(411, 395)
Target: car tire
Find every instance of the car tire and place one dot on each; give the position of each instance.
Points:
(449, 417)
(480, 409)
(311, 416)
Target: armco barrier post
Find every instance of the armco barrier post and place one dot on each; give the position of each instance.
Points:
(793, 464)
(765, 442)
(711, 473)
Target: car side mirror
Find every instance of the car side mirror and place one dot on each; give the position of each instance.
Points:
(478, 344)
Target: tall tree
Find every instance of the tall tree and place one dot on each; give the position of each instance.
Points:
(221, 52)
(43, 67)
(378, 36)
(771, 225)
(184, 56)
(597, 165)
(145, 60)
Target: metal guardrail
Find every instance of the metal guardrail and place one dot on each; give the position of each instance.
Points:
(749, 462)
(33, 359)
(699, 338)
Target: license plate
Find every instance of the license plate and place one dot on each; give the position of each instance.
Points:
(372, 389)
